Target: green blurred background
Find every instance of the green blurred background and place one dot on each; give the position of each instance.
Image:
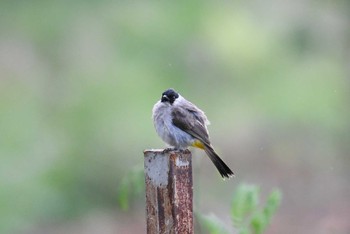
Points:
(78, 80)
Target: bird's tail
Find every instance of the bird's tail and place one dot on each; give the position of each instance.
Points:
(223, 169)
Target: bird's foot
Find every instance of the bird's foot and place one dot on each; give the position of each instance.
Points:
(167, 150)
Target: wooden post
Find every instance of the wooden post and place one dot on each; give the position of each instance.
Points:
(168, 176)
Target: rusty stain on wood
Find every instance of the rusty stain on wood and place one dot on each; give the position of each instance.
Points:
(169, 191)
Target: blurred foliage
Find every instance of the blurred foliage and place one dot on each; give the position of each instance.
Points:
(246, 214)
(78, 80)
(131, 187)
(212, 224)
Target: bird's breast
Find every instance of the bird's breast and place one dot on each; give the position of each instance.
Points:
(167, 131)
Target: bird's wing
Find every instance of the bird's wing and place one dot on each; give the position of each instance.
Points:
(198, 113)
(189, 122)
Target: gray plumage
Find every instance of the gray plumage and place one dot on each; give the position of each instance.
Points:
(180, 124)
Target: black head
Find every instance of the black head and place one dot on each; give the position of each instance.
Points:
(170, 96)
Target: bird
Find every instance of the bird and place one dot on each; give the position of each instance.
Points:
(181, 124)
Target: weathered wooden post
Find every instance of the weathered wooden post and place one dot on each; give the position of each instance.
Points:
(169, 195)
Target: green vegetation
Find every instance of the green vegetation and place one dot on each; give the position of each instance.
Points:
(78, 80)
(247, 215)
(131, 187)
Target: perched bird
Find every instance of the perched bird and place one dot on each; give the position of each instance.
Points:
(181, 124)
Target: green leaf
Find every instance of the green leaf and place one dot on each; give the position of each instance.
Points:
(213, 224)
(245, 200)
(123, 194)
(131, 185)
(261, 219)
(258, 223)
(137, 179)
(273, 202)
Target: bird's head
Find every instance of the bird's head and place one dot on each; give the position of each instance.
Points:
(169, 96)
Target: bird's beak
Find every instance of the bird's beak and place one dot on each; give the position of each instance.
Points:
(164, 98)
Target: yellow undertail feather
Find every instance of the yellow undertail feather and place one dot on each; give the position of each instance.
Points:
(198, 144)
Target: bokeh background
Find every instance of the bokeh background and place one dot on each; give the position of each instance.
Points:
(78, 80)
